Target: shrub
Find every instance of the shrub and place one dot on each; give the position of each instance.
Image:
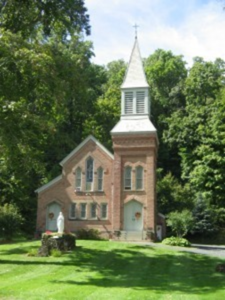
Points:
(10, 221)
(55, 253)
(180, 222)
(89, 234)
(32, 252)
(176, 241)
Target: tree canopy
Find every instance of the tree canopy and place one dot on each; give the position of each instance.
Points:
(52, 96)
(29, 16)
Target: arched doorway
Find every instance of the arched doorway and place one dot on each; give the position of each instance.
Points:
(53, 210)
(133, 216)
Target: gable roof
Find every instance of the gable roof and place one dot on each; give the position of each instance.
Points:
(135, 75)
(89, 138)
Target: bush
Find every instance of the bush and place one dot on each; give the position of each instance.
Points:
(89, 234)
(180, 222)
(32, 252)
(10, 221)
(176, 241)
(55, 253)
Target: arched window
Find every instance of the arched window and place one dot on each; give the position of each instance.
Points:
(139, 178)
(127, 178)
(89, 174)
(78, 179)
(100, 179)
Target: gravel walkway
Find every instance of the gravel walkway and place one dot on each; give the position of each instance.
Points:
(212, 250)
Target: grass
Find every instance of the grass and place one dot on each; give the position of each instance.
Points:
(108, 270)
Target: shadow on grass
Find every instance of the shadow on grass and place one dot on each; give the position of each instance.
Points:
(18, 250)
(137, 267)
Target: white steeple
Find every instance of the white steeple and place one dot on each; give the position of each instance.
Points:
(135, 75)
(135, 107)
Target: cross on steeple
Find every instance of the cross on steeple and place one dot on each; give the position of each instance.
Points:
(136, 27)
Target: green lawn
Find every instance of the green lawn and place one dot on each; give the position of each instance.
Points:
(108, 270)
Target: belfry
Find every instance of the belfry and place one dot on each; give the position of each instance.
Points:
(135, 153)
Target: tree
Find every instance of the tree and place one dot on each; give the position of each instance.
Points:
(166, 74)
(30, 16)
(10, 221)
(198, 130)
(48, 85)
(204, 218)
(107, 107)
(172, 195)
(180, 222)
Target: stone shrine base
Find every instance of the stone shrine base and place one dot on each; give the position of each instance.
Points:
(61, 242)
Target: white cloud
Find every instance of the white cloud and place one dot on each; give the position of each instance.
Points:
(195, 28)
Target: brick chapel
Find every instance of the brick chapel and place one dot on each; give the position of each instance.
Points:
(114, 193)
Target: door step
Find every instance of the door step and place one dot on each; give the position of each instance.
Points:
(132, 235)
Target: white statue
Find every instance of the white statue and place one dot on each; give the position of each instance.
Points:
(60, 223)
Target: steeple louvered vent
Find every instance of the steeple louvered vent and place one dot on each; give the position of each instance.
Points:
(128, 102)
(140, 102)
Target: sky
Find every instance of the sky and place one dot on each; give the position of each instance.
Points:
(186, 27)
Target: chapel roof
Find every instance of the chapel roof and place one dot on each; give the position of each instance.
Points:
(135, 75)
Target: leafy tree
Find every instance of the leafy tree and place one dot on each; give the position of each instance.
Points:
(107, 107)
(10, 221)
(220, 216)
(180, 222)
(30, 16)
(172, 195)
(166, 74)
(204, 218)
(48, 85)
(198, 130)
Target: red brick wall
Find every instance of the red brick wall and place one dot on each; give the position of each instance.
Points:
(135, 150)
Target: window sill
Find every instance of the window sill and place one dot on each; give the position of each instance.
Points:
(89, 220)
(88, 193)
(134, 190)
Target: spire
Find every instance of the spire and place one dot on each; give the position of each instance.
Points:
(136, 27)
(135, 76)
